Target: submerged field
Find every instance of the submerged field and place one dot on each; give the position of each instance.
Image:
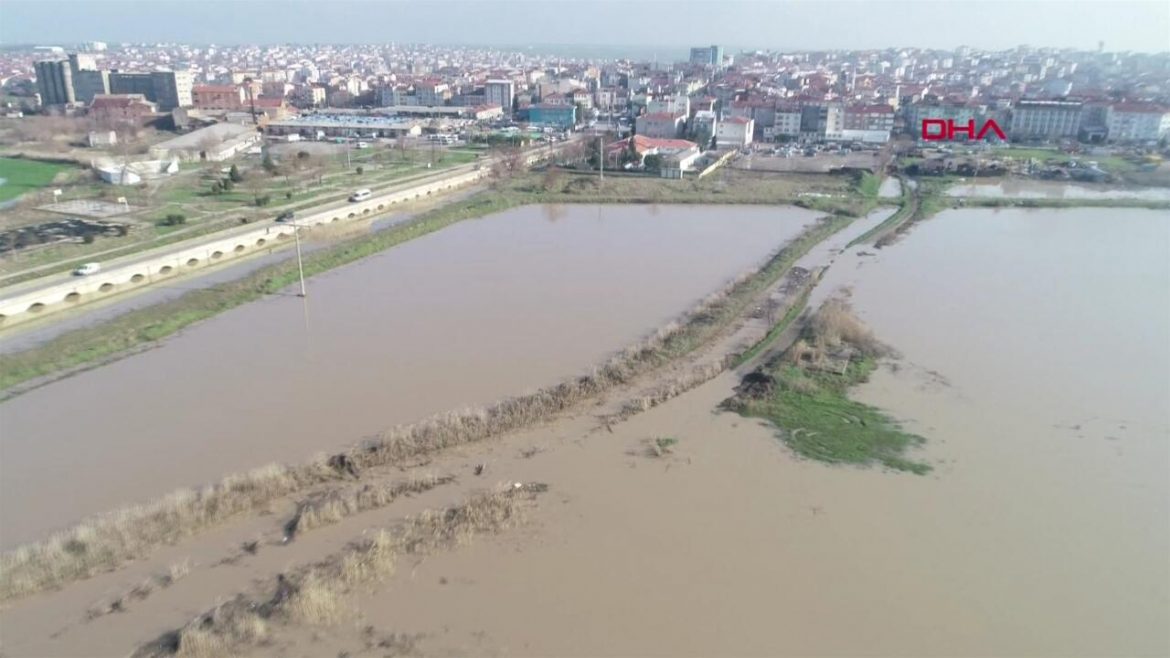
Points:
(373, 345)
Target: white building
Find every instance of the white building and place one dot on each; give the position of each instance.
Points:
(660, 125)
(1137, 122)
(1045, 119)
(673, 104)
(501, 93)
(786, 124)
(133, 173)
(735, 132)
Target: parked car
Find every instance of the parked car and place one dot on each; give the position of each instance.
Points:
(286, 216)
(87, 269)
(360, 195)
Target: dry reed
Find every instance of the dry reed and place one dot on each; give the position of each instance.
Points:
(316, 594)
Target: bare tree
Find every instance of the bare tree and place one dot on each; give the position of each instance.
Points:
(552, 179)
(506, 162)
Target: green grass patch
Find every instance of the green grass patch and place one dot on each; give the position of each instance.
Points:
(818, 421)
(22, 176)
(868, 185)
(664, 442)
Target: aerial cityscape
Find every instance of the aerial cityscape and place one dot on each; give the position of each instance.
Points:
(546, 329)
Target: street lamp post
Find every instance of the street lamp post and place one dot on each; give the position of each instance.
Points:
(300, 261)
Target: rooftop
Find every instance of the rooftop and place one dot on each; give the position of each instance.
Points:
(220, 132)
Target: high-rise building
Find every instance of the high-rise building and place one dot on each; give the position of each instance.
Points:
(707, 56)
(500, 92)
(132, 83)
(170, 89)
(55, 82)
(701, 56)
(88, 80)
(717, 56)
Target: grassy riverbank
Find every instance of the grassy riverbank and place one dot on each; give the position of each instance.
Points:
(101, 341)
(804, 393)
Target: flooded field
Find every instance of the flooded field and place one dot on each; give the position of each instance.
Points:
(481, 310)
(1036, 361)
(891, 188)
(1033, 189)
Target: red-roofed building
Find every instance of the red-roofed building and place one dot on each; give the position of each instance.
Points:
(120, 108)
(662, 125)
(272, 107)
(218, 97)
(677, 155)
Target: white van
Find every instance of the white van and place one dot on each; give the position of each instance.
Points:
(360, 195)
(87, 269)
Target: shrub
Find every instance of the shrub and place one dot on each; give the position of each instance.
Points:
(262, 200)
(234, 174)
(360, 170)
(173, 219)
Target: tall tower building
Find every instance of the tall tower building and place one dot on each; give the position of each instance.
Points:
(55, 82)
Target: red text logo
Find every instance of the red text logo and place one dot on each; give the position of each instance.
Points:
(935, 130)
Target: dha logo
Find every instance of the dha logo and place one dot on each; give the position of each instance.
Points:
(945, 130)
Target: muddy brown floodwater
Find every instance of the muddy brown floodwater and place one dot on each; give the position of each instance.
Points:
(1035, 359)
(484, 309)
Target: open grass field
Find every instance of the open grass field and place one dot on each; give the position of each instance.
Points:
(20, 176)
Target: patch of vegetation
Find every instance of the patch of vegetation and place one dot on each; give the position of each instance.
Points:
(868, 185)
(22, 176)
(805, 395)
(659, 446)
(173, 219)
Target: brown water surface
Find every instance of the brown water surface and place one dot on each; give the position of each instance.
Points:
(481, 310)
(1035, 359)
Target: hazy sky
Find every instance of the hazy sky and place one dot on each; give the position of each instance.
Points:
(778, 24)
